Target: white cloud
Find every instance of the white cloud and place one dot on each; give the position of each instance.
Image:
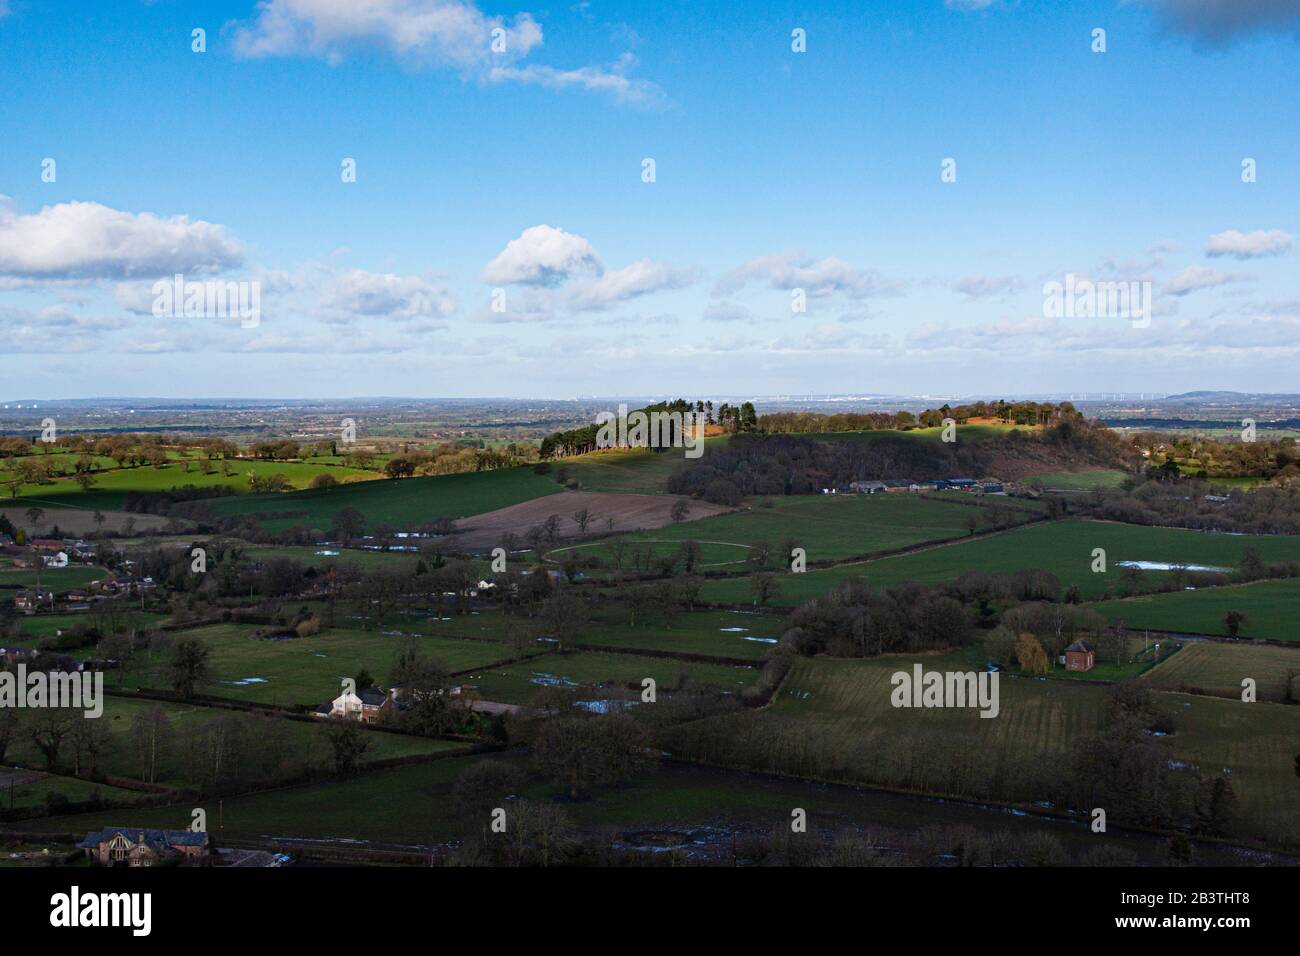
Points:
(542, 255)
(824, 277)
(639, 278)
(1251, 245)
(611, 80)
(361, 293)
(452, 34)
(85, 240)
(1195, 278)
(422, 32)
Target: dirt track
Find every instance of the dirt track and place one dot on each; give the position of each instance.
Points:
(629, 513)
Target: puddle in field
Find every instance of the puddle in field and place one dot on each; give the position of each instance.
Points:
(551, 680)
(1167, 566)
(326, 553)
(760, 640)
(733, 630)
(605, 706)
(246, 681)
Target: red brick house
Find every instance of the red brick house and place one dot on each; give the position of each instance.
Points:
(1079, 656)
(133, 846)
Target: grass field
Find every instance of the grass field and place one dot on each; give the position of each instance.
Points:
(640, 471)
(1062, 547)
(72, 789)
(306, 670)
(1081, 480)
(1258, 743)
(1270, 608)
(1219, 669)
(592, 672)
(301, 742)
(404, 504)
(734, 634)
(361, 558)
(29, 630)
(844, 707)
(57, 580)
(111, 487)
(827, 527)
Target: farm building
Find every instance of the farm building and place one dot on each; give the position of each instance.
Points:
(867, 487)
(1079, 656)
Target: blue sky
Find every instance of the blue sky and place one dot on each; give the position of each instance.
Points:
(519, 174)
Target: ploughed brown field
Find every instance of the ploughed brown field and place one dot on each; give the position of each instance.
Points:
(630, 513)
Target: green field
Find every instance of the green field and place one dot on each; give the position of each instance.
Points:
(28, 630)
(306, 670)
(592, 673)
(57, 580)
(639, 471)
(361, 558)
(844, 705)
(1081, 480)
(404, 503)
(111, 487)
(1270, 607)
(827, 527)
(716, 633)
(71, 789)
(1062, 547)
(834, 720)
(1258, 743)
(292, 745)
(1218, 669)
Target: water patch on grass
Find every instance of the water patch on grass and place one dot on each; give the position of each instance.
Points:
(326, 553)
(760, 640)
(1167, 566)
(245, 682)
(613, 706)
(733, 630)
(551, 680)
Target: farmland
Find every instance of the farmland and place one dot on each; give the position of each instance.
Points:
(112, 486)
(305, 671)
(1269, 606)
(594, 672)
(51, 579)
(828, 527)
(828, 721)
(833, 719)
(1064, 548)
(406, 504)
(1219, 669)
(294, 745)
